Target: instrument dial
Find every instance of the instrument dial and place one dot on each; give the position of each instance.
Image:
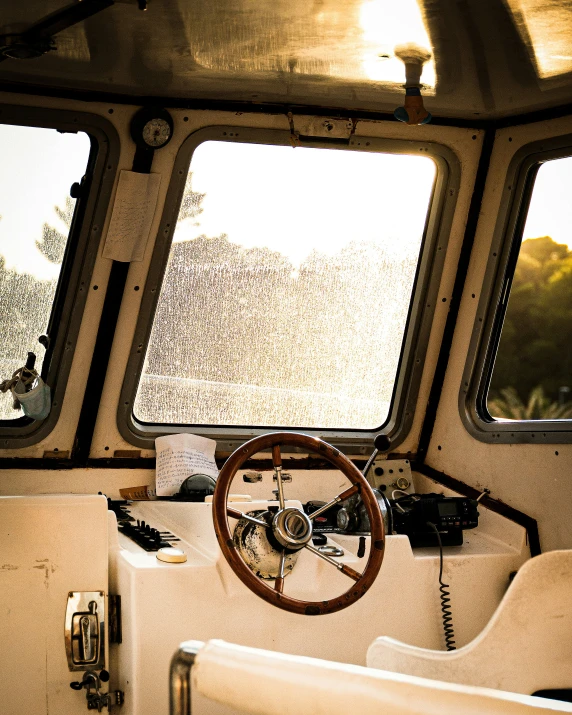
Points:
(152, 127)
(156, 132)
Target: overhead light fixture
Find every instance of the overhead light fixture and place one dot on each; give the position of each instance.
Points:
(385, 25)
(413, 111)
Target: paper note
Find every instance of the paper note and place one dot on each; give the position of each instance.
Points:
(180, 456)
(132, 216)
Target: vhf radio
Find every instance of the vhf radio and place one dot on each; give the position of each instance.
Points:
(413, 513)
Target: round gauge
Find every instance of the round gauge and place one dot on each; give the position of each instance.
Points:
(156, 132)
(152, 127)
(344, 519)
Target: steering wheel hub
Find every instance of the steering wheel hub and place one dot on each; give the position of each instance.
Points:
(292, 528)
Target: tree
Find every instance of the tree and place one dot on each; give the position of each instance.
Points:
(53, 243)
(538, 407)
(26, 301)
(535, 349)
(191, 202)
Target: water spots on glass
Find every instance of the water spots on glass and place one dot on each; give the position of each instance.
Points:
(39, 166)
(287, 288)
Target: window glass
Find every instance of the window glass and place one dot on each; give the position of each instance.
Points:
(532, 376)
(38, 167)
(287, 288)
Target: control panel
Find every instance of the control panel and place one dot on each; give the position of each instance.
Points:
(142, 533)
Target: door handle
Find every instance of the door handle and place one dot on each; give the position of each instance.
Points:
(85, 630)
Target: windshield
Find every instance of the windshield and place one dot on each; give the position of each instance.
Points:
(287, 289)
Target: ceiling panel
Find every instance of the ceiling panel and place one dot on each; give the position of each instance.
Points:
(330, 53)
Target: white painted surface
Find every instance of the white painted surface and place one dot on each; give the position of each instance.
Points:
(534, 478)
(163, 608)
(49, 546)
(201, 599)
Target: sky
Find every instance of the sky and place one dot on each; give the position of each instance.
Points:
(291, 200)
(550, 211)
(298, 200)
(38, 167)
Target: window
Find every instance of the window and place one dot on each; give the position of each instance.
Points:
(38, 168)
(532, 375)
(49, 243)
(275, 306)
(292, 287)
(518, 373)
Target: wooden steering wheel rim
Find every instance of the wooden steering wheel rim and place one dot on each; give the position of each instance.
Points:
(241, 569)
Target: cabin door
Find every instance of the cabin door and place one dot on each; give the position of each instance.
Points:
(50, 548)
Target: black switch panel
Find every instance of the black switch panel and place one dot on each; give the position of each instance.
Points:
(146, 536)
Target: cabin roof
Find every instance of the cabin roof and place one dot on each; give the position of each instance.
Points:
(492, 58)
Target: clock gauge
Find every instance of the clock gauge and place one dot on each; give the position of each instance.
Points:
(152, 128)
(156, 132)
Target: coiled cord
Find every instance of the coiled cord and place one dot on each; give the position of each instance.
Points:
(445, 600)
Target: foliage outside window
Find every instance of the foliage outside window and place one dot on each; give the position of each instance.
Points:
(532, 376)
(287, 289)
(38, 167)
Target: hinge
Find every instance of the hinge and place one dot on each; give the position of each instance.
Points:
(115, 630)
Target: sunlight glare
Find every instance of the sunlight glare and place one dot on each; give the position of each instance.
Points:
(550, 211)
(386, 24)
(39, 166)
(547, 26)
(299, 200)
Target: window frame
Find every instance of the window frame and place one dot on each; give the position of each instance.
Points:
(79, 258)
(421, 309)
(489, 320)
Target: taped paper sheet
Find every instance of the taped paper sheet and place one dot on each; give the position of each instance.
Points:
(180, 456)
(133, 212)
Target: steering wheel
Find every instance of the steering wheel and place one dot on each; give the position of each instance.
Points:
(290, 529)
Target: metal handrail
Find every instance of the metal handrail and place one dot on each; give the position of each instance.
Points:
(180, 677)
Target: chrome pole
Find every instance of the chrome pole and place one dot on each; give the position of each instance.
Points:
(180, 677)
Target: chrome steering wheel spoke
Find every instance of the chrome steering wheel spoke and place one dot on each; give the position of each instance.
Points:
(277, 464)
(235, 514)
(344, 568)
